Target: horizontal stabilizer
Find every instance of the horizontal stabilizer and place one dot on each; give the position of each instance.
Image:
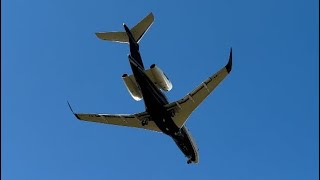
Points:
(120, 37)
(137, 31)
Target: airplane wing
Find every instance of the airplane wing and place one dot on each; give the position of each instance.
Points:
(129, 120)
(182, 108)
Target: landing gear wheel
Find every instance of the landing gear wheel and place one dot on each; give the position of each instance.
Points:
(144, 122)
(189, 161)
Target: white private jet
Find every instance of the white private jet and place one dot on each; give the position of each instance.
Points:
(149, 85)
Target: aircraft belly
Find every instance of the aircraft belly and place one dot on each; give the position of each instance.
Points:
(155, 101)
(160, 117)
(186, 145)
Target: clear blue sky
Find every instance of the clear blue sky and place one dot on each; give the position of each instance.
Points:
(260, 123)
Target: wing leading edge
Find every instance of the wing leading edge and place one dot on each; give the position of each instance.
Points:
(182, 108)
(129, 120)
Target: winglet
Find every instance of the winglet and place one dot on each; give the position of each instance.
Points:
(229, 65)
(70, 107)
(72, 110)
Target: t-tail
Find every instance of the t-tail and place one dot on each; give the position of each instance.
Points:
(137, 32)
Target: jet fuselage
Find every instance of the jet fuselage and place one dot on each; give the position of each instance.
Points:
(155, 100)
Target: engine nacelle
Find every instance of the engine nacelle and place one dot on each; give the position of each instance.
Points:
(132, 87)
(160, 79)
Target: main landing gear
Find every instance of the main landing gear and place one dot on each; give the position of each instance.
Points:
(144, 122)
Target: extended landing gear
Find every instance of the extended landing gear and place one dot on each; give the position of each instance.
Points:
(189, 161)
(144, 122)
